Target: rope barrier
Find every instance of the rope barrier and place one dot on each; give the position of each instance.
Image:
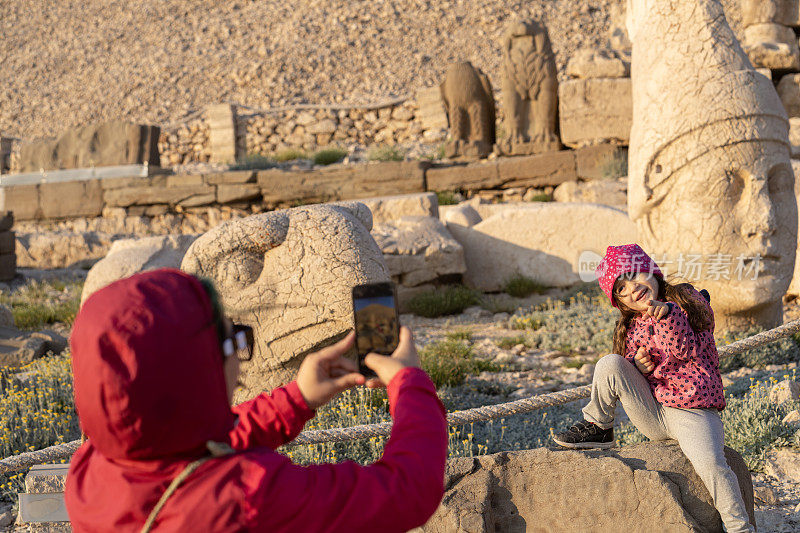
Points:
(456, 418)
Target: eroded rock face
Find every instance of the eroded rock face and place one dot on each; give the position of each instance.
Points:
(540, 240)
(709, 169)
(289, 274)
(643, 488)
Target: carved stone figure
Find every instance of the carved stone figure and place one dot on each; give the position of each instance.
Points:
(289, 275)
(469, 102)
(530, 90)
(709, 169)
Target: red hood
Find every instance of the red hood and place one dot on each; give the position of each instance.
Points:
(147, 368)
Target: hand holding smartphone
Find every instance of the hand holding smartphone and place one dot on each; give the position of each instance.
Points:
(376, 322)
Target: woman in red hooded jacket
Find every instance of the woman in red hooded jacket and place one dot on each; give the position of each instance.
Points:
(152, 389)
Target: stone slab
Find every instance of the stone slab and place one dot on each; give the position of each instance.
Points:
(431, 113)
(46, 478)
(6, 220)
(388, 208)
(281, 187)
(464, 177)
(35, 508)
(71, 199)
(594, 111)
(540, 170)
(7, 242)
(147, 195)
(185, 180)
(237, 192)
(22, 200)
(8, 266)
(232, 177)
(108, 144)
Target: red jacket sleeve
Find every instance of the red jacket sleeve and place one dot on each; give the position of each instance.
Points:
(398, 493)
(270, 419)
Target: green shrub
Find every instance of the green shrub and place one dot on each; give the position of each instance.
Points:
(614, 168)
(35, 412)
(385, 153)
(38, 304)
(254, 162)
(521, 286)
(289, 155)
(780, 352)
(459, 335)
(444, 301)
(581, 323)
(447, 197)
(541, 197)
(753, 424)
(329, 156)
(448, 362)
(509, 342)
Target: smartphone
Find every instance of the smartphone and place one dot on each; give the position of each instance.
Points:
(376, 323)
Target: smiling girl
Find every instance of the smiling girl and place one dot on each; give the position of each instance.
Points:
(665, 371)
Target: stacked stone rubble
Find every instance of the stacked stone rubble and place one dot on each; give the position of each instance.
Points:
(186, 143)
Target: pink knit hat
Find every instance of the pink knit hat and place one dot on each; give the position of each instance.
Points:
(620, 260)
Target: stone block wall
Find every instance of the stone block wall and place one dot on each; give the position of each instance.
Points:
(276, 188)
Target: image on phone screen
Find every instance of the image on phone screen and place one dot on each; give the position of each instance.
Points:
(376, 324)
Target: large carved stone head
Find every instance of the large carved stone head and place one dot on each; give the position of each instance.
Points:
(709, 168)
(289, 275)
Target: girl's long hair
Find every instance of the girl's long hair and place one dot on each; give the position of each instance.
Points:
(700, 319)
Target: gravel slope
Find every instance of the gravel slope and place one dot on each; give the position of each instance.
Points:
(73, 62)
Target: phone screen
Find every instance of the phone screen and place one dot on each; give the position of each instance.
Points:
(376, 323)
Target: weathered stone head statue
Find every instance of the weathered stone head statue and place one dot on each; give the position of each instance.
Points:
(289, 275)
(709, 169)
(530, 90)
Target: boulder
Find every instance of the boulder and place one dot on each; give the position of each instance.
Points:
(784, 391)
(19, 348)
(541, 241)
(606, 192)
(463, 214)
(794, 137)
(589, 63)
(129, 256)
(97, 145)
(419, 250)
(6, 317)
(785, 12)
(289, 274)
(789, 91)
(772, 46)
(783, 464)
(594, 111)
(642, 488)
(388, 208)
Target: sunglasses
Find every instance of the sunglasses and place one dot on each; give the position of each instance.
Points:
(239, 342)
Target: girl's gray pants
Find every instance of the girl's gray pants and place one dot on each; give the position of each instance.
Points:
(698, 432)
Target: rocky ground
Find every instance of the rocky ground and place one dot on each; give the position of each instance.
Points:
(70, 63)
